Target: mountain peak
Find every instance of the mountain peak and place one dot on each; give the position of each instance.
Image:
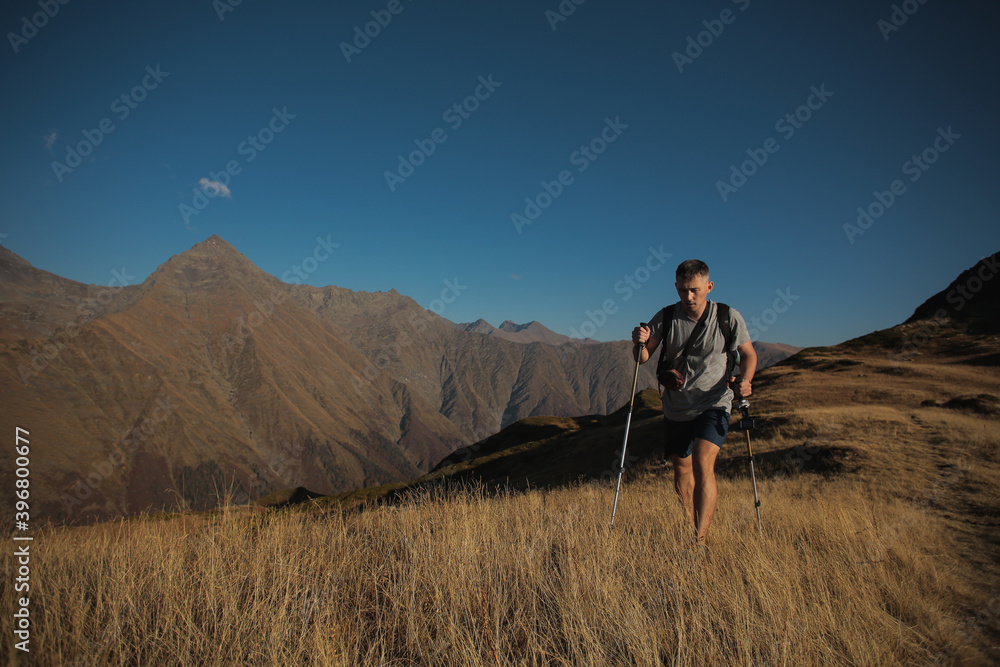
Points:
(214, 249)
(513, 327)
(479, 326)
(214, 246)
(208, 263)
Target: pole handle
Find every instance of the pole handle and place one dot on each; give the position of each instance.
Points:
(641, 345)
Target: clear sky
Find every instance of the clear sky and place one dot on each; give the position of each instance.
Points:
(549, 161)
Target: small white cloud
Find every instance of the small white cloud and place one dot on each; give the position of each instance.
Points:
(515, 276)
(214, 188)
(50, 139)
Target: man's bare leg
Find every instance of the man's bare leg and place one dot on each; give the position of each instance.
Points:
(684, 484)
(706, 492)
(694, 482)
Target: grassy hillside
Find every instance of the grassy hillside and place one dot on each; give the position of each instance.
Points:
(877, 475)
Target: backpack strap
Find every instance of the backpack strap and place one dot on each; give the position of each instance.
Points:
(668, 322)
(725, 318)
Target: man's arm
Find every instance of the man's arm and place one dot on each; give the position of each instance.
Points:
(748, 366)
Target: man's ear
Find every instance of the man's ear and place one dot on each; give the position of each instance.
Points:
(711, 286)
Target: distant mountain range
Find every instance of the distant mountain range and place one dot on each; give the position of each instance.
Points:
(768, 354)
(214, 377)
(532, 332)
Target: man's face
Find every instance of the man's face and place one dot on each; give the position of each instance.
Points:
(694, 293)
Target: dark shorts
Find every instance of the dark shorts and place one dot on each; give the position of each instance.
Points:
(711, 425)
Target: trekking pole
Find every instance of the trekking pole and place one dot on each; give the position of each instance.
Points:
(628, 422)
(746, 424)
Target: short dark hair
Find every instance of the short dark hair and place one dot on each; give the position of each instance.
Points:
(690, 269)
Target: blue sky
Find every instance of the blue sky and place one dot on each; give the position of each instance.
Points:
(623, 122)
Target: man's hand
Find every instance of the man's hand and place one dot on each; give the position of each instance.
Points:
(640, 338)
(741, 387)
(640, 335)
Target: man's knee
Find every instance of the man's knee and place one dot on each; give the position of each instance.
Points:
(682, 466)
(703, 458)
(703, 466)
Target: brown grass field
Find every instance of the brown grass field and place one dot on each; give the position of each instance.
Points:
(879, 547)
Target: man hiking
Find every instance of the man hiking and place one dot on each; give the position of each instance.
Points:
(695, 368)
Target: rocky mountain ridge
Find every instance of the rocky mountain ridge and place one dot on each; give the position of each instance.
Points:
(213, 377)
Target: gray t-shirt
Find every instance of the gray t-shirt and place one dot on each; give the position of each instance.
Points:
(704, 370)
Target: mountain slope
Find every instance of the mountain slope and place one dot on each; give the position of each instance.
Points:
(972, 297)
(768, 354)
(206, 376)
(213, 375)
(34, 302)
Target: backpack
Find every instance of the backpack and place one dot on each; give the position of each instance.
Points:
(723, 316)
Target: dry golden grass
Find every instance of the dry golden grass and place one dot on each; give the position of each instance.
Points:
(839, 576)
(891, 560)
